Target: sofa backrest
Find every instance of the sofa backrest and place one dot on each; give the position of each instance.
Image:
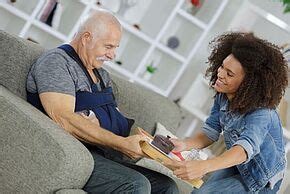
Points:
(16, 57)
(146, 106)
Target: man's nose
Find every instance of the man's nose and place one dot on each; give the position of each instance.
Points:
(111, 54)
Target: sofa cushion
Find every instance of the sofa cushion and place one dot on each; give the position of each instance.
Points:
(161, 130)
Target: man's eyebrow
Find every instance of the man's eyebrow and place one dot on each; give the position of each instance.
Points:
(112, 45)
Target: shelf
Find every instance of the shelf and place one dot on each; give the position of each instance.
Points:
(49, 30)
(42, 37)
(153, 13)
(286, 133)
(113, 68)
(85, 2)
(10, 23)
(205, 12)
(287, 148)
(170, 52)
(263, 24)
(68, 17)
(25, 6)
(273, 7)
(131, 51)
(181, 36)
(147, 25)
(167, 67)
(64, 19)
(143, 13)
(127, 26)
(192, 19)
(198, 98)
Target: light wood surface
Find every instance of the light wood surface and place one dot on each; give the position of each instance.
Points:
(155, 154)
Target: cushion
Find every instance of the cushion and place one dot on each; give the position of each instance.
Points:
(161, 130)
(139, 103)
(193, 154)
(16, 56)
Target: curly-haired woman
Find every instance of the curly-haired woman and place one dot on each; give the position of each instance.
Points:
(249, 76)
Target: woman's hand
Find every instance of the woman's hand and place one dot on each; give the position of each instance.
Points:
(189, 170)
(180, 145)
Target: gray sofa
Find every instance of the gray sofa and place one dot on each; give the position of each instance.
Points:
(36, 155)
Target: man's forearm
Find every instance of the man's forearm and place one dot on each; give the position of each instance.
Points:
(89, 132)
(234, 156)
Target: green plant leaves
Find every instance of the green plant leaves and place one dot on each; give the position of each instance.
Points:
(286, 3)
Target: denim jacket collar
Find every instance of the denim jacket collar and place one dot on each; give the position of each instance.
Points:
(224, 103)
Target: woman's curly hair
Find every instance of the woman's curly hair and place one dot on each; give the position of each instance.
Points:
(265, 69)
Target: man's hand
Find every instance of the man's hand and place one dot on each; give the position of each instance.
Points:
(188, 170)
(131, 146)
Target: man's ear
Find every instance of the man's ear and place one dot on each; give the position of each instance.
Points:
(86, 38)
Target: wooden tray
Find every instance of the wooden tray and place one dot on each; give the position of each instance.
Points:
(161, 157)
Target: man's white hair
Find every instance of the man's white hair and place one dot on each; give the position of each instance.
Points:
(97, 22)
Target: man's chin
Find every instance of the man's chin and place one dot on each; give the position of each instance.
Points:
(98, 65)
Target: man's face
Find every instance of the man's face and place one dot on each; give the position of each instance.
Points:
(103, 48)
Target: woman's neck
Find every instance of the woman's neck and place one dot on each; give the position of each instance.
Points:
(230, 96)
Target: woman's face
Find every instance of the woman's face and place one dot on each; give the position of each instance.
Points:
(230, 76)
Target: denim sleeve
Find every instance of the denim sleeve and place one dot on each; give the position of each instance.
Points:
(254, 133)
(212, 127)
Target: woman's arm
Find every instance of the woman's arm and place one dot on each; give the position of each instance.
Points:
(194, 169)
(234, 156)
(199, 141)
(210, 131)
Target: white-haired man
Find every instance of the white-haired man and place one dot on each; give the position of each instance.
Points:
(69, 80)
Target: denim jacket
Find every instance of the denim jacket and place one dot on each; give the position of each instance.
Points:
(258, 132)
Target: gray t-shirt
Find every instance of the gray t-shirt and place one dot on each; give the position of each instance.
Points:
(56, 71)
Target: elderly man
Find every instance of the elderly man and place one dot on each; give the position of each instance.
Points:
(69, 84)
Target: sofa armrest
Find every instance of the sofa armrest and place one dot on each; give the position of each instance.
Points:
(37, 156)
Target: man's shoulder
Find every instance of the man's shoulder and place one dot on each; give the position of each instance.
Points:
(53, 54)
(54, 58)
